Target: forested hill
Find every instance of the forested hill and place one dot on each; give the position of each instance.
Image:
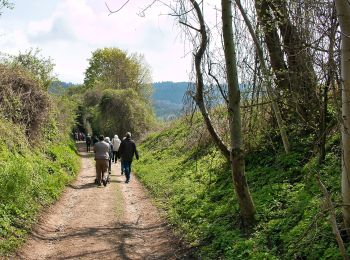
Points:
(167, 98)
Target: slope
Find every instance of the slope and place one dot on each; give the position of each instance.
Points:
(191, 180)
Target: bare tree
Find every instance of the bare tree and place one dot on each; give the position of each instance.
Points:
(266, 73)
(237, 155)
(343, 12)
(234, 154)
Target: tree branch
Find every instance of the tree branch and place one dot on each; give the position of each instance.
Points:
(112, 12)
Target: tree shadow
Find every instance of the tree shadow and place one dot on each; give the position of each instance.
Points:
(127, 241)
(86, 155)
(83, 186)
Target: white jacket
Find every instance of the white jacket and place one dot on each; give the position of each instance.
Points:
(116, 143)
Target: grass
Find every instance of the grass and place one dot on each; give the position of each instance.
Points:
(192, 182)
(30, 178)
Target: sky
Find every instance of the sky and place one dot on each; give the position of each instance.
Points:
(68, 31)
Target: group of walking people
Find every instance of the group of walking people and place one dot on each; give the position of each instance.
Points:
(108, 151)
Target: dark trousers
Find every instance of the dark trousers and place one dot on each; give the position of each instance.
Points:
(109, 165)
(87, 147)
(126, 167)
(115, 157)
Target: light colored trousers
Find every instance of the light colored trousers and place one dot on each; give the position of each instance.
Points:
(101, 169)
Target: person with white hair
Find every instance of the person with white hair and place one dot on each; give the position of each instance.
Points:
(110, 152)
(116, 143)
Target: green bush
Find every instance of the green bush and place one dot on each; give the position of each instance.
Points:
(29, 179)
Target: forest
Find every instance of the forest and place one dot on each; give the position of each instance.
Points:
(255, 164)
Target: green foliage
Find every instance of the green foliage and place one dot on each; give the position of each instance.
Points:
(22, 99)
(115, 69)
(37, 155)
(38, 66)
(30, 177)
(121, 111)
(192, 182)
(117, 93)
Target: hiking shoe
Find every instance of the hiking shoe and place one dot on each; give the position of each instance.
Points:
(104, 182)
(96, 181)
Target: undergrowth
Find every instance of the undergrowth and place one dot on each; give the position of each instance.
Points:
(32, 175)
(192, 182)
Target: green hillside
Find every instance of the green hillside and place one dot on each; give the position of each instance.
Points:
(192, 182)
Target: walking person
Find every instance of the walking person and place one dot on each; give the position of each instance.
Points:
(88, 142)
(116, 143)
(121, 166)
(110, 152)
(101, 150)
(95, 139)
(127, 150)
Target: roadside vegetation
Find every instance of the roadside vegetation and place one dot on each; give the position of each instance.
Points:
(116, 94)
(37, 155)
(192, 182)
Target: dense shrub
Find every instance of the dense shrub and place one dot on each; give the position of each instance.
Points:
(37, 155)
(121, 111)
(22, 99)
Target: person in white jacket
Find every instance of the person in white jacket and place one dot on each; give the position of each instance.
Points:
(116, 143)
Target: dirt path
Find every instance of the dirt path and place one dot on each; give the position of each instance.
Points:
(90, 222)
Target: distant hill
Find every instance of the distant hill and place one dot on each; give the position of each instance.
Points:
(57, 87)
(168, 98)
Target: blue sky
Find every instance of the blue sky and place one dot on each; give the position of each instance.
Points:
(68, 31)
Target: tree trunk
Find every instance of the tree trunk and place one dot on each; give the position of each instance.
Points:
(301, 74)
(273, 45)
(270, 91)
(343, 12)
(199, 99)
(244, 197)
(327, 86)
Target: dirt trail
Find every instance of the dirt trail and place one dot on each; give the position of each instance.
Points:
(90, 222)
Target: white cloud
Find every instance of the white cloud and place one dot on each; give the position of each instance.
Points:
(75, 28)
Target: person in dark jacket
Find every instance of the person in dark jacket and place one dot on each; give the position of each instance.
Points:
(95, 140)
(127, 150)
(88, 142)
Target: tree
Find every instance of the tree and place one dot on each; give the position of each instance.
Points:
(270, 91)
(245, 200)
(235, 154)
(291, 59)
(5, 4)
(114, 68)
(120, 111)
(118, 91)
(343, 12)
